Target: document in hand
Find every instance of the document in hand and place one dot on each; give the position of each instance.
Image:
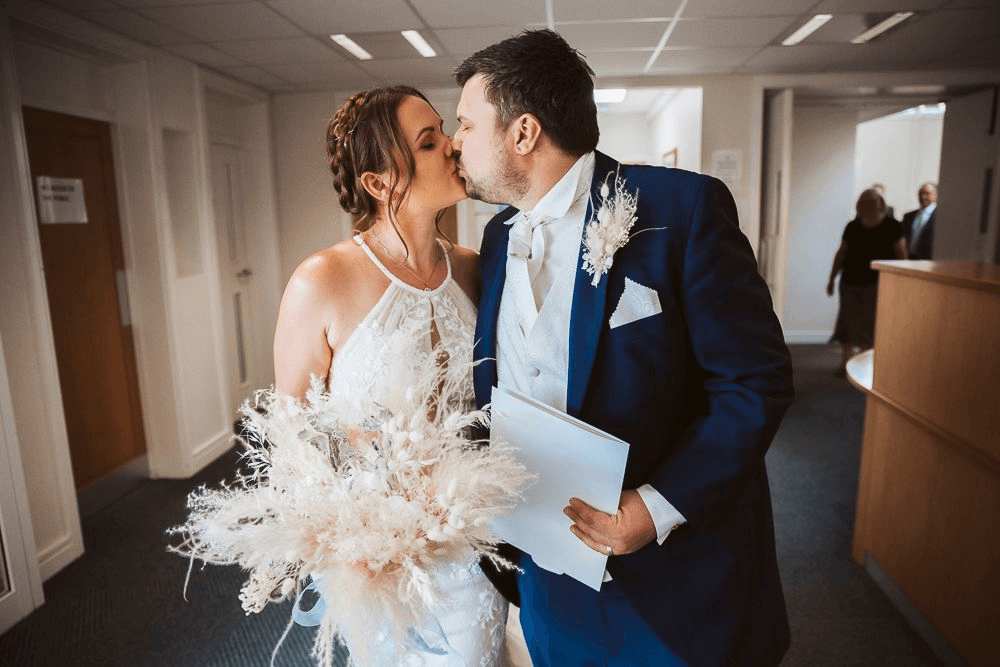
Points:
(571, 459)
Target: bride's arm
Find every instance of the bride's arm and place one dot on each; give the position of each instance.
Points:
(301, 341)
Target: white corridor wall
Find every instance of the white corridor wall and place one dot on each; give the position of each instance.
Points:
(821, 203)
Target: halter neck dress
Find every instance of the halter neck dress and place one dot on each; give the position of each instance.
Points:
(397, 331)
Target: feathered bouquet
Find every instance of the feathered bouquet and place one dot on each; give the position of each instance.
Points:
(368, 499)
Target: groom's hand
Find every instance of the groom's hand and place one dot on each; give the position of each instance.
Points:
(630, 529)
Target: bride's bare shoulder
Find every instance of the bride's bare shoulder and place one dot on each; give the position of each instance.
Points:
(327, 273)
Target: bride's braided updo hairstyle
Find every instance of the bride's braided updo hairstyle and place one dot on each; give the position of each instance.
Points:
(364, 135)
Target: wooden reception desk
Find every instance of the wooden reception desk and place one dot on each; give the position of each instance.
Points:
(928, 513)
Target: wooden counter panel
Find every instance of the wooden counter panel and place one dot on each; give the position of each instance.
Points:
(902, 471)
(936, 355)
(963, 558)
(969, 275)
(927, 515)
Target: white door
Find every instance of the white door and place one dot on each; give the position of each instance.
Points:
(20, 581)
(773, 248)
(236, 274)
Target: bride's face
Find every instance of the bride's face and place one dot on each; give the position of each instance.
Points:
(435, 184)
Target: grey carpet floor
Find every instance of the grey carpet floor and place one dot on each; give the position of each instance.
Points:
(120, 604)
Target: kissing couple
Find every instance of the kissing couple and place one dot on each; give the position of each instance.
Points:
(666, 339)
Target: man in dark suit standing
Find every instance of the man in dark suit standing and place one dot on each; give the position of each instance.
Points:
(673, 346)
(918, 225)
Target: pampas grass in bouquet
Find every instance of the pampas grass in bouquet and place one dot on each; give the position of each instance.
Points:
(366, 496)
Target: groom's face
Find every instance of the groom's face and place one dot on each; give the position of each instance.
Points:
(484, 161)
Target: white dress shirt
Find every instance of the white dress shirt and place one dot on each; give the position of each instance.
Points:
(533, 322)
(919, 221)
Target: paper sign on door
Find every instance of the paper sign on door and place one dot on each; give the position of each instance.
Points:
(60, 200)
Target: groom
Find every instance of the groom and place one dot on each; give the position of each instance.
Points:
(674, 348)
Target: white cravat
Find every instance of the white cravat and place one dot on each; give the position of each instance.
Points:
(533, 322)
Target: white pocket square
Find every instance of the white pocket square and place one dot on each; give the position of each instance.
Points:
(637, 302)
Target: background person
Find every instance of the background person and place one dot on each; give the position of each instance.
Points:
(918, 225)
(872, 235)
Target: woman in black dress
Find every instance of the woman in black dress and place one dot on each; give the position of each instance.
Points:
(872, 235)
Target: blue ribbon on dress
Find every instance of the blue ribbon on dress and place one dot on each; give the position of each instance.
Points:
(309, 618)
(415, 639)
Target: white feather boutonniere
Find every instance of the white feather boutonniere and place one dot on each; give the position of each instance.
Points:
(608, 231)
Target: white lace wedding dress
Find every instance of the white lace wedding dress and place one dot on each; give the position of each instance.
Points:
(467, 627)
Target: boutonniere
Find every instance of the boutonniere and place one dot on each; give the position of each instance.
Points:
(608, 230)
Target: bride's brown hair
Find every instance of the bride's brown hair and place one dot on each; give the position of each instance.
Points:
(364, 135)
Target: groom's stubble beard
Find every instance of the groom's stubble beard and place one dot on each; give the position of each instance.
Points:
(504, 184)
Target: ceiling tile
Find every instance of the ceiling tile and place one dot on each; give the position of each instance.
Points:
(608, 36)
(946, 29)
(205, 55)
(330, 17)
(392, 44)
(708, 60)
(280, 51)
(209, 23)
(451, 14)
(462, 42)
(138, 27)
(795, 59)
(80, 6)
(618, 63)
(969, 4)
(169, 3)
(719, 8)
(413, 71)
(982, 54)
(343, 75)
(726, 32)
(597, 10)
(258, 77)
(874, 6)
(841, 29)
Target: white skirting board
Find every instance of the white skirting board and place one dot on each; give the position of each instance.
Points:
(807, 337)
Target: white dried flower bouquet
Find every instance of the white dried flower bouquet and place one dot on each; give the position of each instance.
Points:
(367, 507)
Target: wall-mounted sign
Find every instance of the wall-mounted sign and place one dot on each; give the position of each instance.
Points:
(727, 166)
(60, 200)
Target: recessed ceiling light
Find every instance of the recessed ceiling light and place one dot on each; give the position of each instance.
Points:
(881, 27)
(609, 95)
(351, 46)
(808, 28)
(419, 43)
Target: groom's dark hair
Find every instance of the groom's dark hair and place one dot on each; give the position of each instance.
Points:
(537, 72)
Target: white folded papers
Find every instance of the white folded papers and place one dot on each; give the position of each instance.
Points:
(572, 460)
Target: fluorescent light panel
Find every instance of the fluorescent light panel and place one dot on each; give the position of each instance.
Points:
(881, 27)
(808, 28)
(352, 46)
(419, 43)
(609, 95)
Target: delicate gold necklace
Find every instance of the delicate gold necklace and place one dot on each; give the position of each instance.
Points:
(402, 262)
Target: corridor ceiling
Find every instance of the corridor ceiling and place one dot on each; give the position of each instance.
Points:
(285, 45)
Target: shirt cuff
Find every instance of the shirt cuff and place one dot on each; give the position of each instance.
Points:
(665, 516)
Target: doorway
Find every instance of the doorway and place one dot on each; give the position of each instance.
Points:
(72, 174)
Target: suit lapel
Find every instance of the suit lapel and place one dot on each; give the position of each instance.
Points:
(494, 270)
(587, 314)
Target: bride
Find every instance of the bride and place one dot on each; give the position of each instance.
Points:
(345, 308)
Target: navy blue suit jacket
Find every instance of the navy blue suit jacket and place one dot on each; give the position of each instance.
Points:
(698, 391)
